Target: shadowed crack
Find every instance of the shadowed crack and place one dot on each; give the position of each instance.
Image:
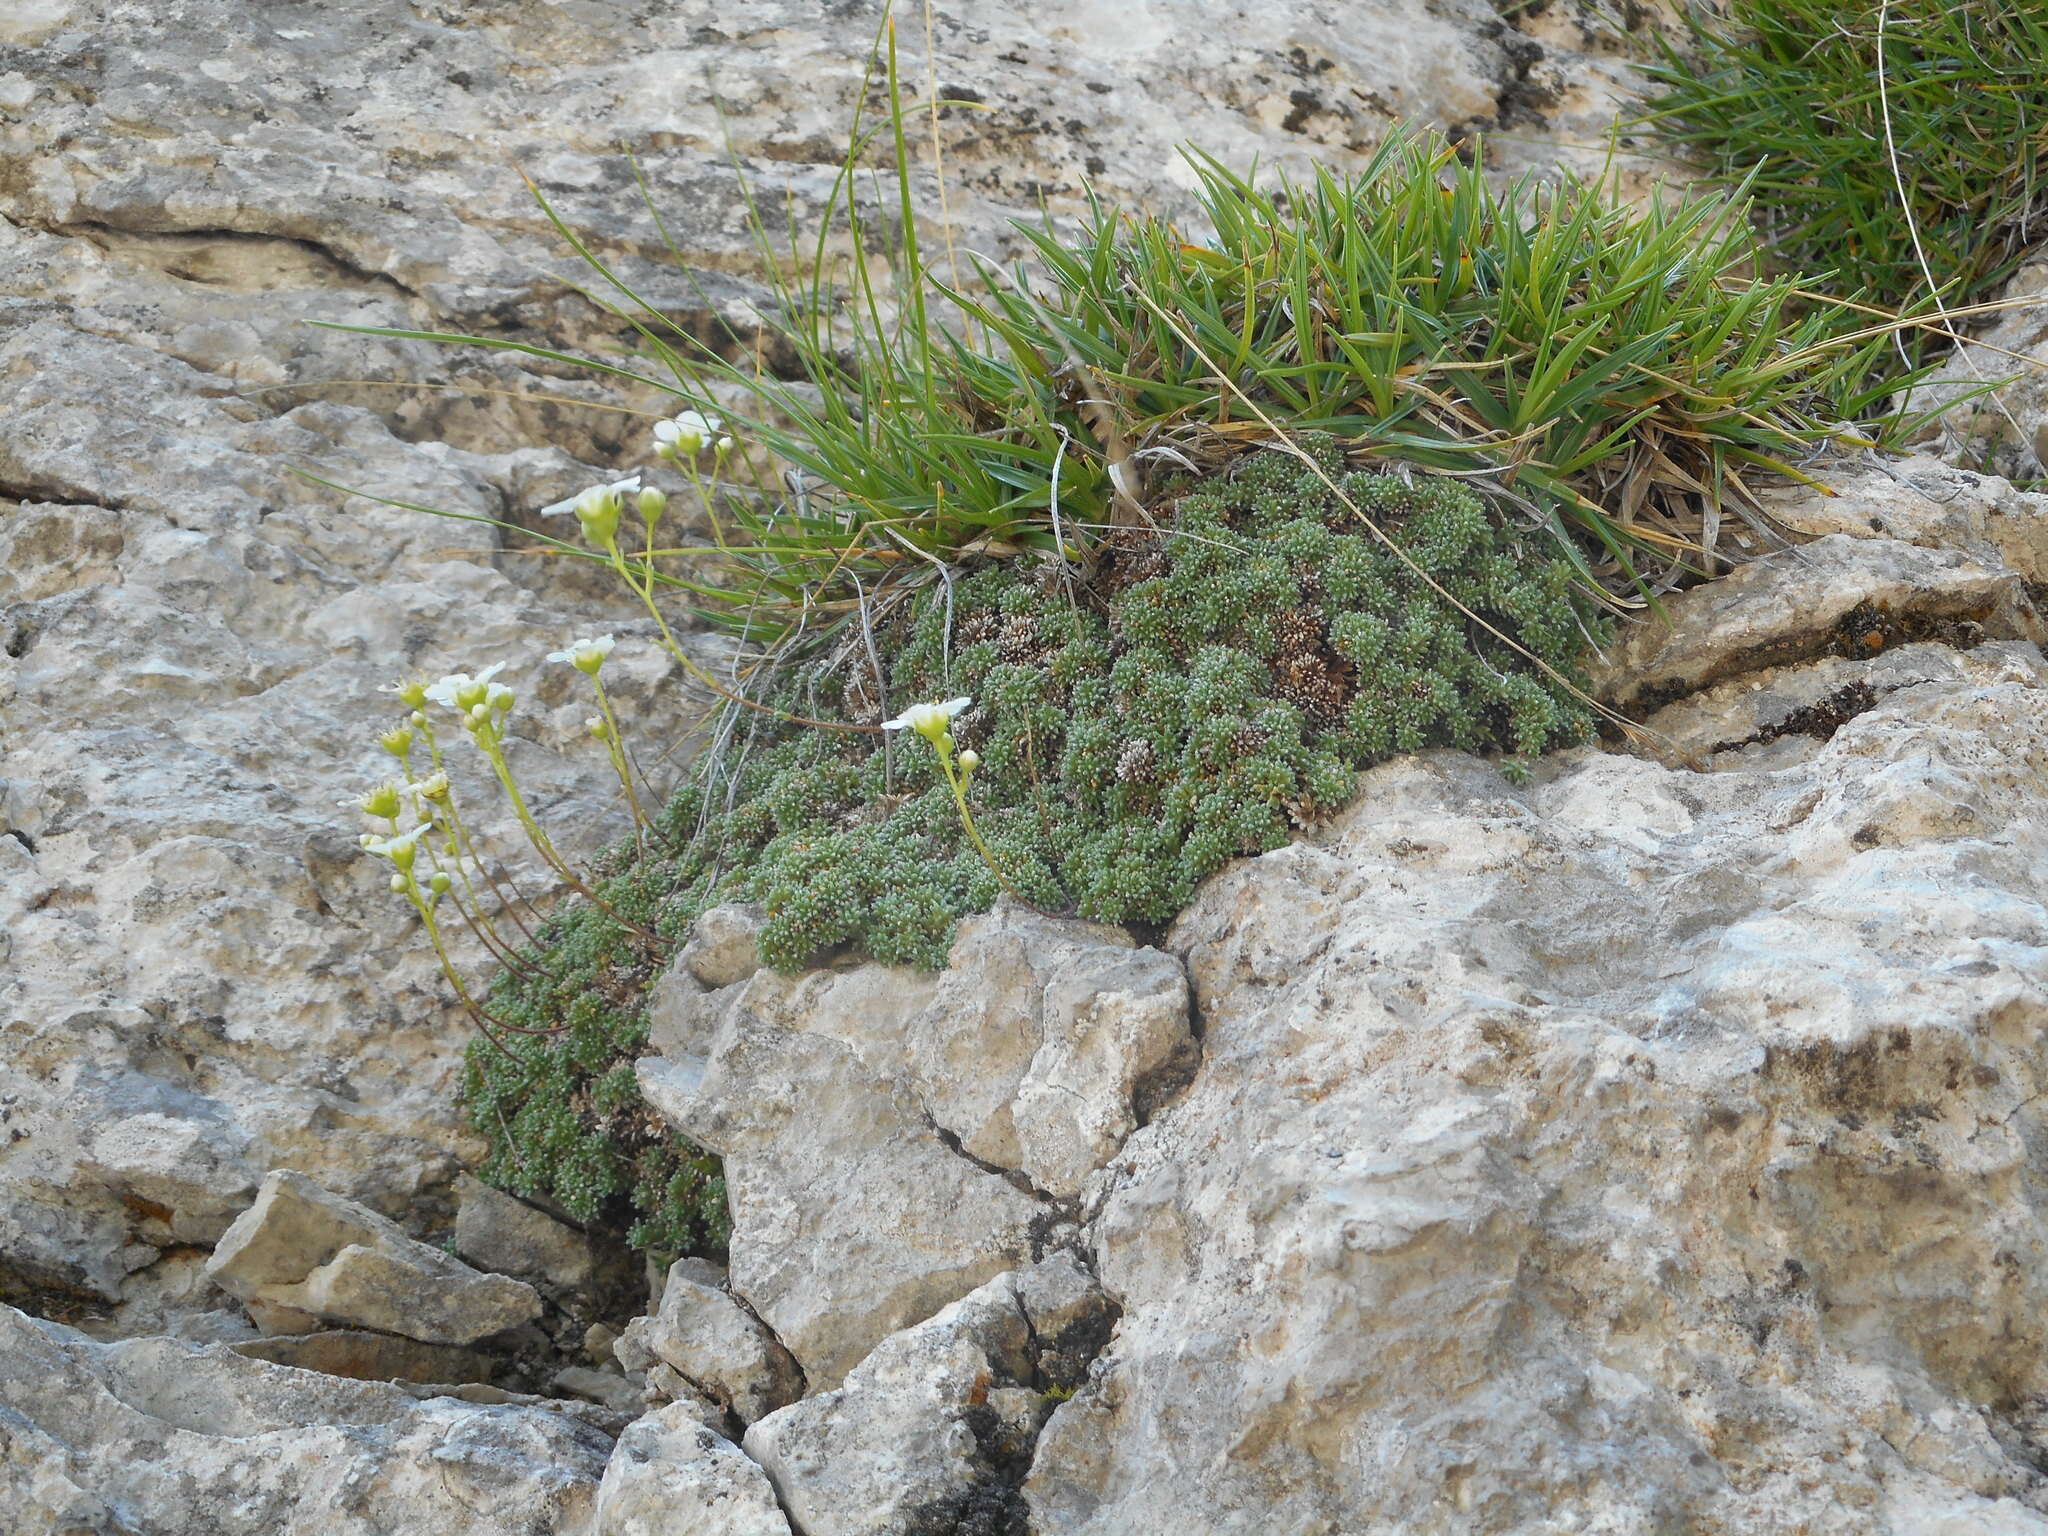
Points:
(236, 259)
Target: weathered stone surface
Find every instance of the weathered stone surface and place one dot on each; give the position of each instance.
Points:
(671, 1475)
(204, 975)
(851, 1216)
(714, 1343)
(1841, 594)
(365, 1356)
(1044, 1042)
(933, 1431)
(304, 1249)
(509, 1237)
(725, 945)
(153, 1436)
(1643, 1149)
(2006, 431)
(610, 1389)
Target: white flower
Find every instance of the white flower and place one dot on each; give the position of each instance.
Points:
(449, 691)
(928, 720)
(595, 495)
(433, 787)
(400, 849)
(686, 435)
(585, 655)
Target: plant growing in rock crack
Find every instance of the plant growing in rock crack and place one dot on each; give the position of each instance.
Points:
(1191, 524)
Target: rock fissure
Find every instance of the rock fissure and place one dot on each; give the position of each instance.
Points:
(194, 254)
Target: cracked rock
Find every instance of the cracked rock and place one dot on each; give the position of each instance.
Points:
(310, 1253)
(851, 1217)
(1839, 595)
(170, 1439)
(670, 1475)
(713, 1343)
(933, 1432)
(496, 1232)
(1043, 1044)
(1642, 1149)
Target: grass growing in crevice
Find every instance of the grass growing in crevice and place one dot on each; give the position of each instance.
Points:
(1897, 150)
(1214, 689)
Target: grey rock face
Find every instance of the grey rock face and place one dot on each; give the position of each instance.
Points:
(851, 1216)
(934, 1429)
(1839, 594)
(311, 1253)
(713, 1343)
(2006, 430)
(509, 1237)
(1647, 1148)
(881, 1128)
(150, 1435)
(670, 1475)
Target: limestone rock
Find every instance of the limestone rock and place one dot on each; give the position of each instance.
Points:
(670, 1474)
(507, 1236)
(725, 945)
(714, 1343)
(152, 1435)
(2005, 431)
(1043, 1044)
(1841, 594)
(365, 1356)
(933, 1430)
(301, 1248)
(1645, 1148)
(1921, 500)
(851, 1215)
(609, 1389)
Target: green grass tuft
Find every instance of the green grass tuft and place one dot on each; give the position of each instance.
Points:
(1849, 142)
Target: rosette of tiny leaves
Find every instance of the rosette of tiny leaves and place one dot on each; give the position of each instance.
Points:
(1123, 751)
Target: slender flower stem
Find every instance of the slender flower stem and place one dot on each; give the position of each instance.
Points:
(617, 750)
(957, 782)
(486, 740)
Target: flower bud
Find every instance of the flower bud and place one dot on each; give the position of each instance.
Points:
(419, 717)
(366, 839)
(440, 882)
(398, 884)
(970, 760)
(652, 504)
(724, 446)
(597, 509)
(479, 714)
(597, 727)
